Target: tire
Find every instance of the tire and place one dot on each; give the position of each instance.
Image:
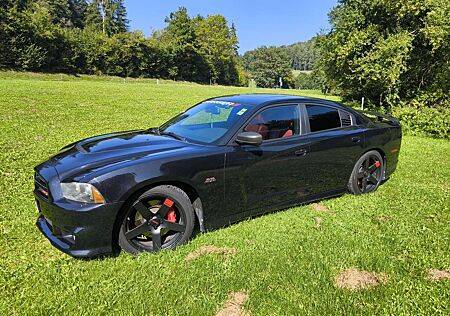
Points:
(161, 218)
(367, 173)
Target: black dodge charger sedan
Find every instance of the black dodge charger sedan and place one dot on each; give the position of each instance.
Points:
(222, 160)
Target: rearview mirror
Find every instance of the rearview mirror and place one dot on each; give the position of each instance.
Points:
(250, 138)
(213, 110)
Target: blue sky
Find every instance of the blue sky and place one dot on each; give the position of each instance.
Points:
(258, 22)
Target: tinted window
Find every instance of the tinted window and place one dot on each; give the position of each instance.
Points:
(276, 122)
(322, 118)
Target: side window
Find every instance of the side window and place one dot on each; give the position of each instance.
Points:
(276, 122)
(322, 117)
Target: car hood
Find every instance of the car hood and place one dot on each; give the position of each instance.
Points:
(104, 150)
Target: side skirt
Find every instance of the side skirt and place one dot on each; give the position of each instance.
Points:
(221, 222)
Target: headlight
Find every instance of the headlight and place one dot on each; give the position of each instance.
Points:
(81, 192)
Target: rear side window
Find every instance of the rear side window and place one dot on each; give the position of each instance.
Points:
(276, 122)
(322, 118)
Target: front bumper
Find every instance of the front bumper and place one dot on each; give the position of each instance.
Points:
(78, 229)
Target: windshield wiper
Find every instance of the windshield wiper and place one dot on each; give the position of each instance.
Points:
(154, 130)
(172, 134)
(157, 131)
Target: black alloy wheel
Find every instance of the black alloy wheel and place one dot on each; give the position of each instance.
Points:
(161, 218)
(367, 173)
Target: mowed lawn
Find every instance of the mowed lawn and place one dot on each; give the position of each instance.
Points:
(286, 262)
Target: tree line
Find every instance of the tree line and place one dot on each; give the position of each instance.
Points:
(394, 53)
(92, 37)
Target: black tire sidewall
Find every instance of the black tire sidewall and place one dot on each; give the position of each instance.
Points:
(183, 204)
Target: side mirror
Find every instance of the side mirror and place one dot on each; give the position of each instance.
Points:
(250, 138)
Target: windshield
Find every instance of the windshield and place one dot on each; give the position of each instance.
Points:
(206, 122)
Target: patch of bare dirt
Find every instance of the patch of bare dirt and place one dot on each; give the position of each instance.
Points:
(354, 279)
(438, 275)
(39, 138)
(320, 208)
(233, 306)
(208, 250)
(383, 219)
(318, 221)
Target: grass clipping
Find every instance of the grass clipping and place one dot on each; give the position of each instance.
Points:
(354, 279)
(233, 306)
(207, 250)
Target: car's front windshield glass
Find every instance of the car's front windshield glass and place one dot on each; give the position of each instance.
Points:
(206, 122)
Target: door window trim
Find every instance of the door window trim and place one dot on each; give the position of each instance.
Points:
(305, 117)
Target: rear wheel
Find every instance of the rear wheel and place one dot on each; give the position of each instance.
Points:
(367, 173)
(161, 218)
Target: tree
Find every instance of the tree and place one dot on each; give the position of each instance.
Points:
(218, 43)
(302, 55)
(179, 40)
(60, 12)
(387, 50)
(267, 64)
(307, 80)
(107, 16)
(78, 10)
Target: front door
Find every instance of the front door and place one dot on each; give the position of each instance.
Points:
(271, 174)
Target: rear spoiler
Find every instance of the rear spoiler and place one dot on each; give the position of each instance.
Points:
(382, 118)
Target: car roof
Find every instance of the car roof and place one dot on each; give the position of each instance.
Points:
(264, 99)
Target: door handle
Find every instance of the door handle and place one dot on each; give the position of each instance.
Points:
(356, 139)
(300, 152)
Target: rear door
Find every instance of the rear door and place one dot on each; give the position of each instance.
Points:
(335, 144)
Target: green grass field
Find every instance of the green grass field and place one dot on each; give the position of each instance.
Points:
(283, 261)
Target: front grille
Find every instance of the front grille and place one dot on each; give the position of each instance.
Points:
(41, 186)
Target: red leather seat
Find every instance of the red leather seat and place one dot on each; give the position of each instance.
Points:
(260, 125)
(257, 125)
(288, 133)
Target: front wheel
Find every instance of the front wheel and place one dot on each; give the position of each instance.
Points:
(161, 218)
(367, 173)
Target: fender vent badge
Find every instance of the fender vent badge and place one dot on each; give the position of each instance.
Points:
(210, 180)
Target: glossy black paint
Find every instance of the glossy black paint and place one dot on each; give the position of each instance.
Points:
(249, 179)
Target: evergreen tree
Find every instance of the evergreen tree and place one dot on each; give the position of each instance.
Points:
(107, 16)
(234, 38)
(78, 10)
(120, 24)
(59, 11)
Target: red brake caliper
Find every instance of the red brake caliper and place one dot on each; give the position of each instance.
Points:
(377, 164)
(171, 216)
